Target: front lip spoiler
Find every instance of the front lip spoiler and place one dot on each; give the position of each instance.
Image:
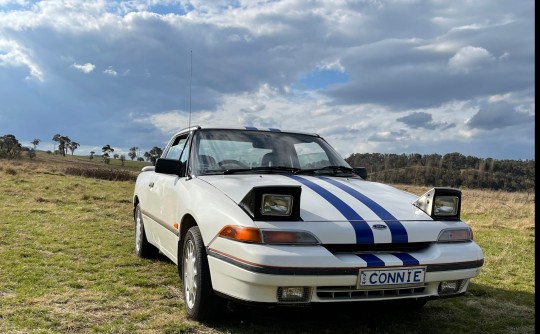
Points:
(322, 271)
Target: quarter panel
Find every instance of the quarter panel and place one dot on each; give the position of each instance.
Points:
(211, 208)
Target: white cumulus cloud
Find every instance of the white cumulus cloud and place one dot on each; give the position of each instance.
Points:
(470, 58)
(12, 54)
(85, 68)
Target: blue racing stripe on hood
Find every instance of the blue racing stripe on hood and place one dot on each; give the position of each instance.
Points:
(372, 260)
(363, 232)
(408, 259)
(398, 231)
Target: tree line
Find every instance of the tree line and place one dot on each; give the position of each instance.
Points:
(449, 170)
(11, 148)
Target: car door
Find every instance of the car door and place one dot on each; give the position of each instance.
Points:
(168, 191)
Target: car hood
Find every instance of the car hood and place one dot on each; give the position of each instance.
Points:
(329, 198)
(344, 210)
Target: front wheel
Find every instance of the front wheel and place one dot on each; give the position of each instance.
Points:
(199, 298)
(143, 248)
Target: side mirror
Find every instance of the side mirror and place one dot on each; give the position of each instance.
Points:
(169, 166)
(361, 171)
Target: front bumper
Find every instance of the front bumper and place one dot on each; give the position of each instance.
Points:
(255, 273)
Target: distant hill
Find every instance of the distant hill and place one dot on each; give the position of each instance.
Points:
(87, 162)
(97, 167)
(450, 170)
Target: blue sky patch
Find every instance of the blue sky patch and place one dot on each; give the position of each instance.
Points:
(16, 6)
(165, 9)
(321, 79)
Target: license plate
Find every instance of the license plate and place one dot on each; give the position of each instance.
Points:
(399, 276)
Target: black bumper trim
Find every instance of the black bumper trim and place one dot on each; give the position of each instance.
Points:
(318, 271)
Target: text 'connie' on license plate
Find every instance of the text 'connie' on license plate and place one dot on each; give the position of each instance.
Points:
(392, 276)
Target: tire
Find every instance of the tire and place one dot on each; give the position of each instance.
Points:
(143, 248)
(201, 303)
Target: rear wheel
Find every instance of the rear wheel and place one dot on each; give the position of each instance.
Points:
(200, 301)
(143, 248)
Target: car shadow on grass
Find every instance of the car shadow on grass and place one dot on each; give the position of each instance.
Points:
(484, 309)
(327, 318)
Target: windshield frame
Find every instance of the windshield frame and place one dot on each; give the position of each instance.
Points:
(278, 142)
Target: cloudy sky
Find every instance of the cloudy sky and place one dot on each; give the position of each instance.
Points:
(396, 76)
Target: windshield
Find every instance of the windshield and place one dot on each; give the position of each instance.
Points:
(222, 151)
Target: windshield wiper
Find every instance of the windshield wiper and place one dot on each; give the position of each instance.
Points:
(327, 170)
(269, 169)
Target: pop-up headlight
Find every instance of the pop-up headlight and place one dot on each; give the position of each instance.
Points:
(273, 203)
(277, 205)
(441, 203)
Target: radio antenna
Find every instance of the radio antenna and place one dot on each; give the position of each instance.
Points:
(190, 77)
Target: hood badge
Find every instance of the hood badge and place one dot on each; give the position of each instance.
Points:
(379, 227)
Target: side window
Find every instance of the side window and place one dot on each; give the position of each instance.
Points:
(176, 148)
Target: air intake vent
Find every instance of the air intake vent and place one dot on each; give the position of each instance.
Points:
(351, 293)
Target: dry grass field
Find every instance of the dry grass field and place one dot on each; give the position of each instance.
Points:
(68, 266)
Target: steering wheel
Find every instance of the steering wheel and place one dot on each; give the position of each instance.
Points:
(222, 163)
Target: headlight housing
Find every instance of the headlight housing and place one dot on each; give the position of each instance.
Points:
(273, 203)
(441, 203)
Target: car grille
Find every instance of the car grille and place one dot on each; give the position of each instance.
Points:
(377, 248)
(337, 293)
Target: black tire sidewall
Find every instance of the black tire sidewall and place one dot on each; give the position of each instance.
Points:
(146, 249)
(193, 235)
(139, 226)
(207, 304)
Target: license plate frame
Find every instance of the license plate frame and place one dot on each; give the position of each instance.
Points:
(388, 277)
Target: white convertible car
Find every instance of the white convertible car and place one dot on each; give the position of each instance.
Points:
(279, 218)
